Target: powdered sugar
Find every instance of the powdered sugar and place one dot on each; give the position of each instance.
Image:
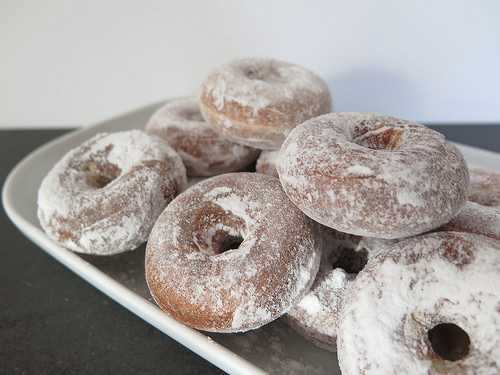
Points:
(268, 162)
(484, 187)
(203, 150)
(316, 315)
(422, 282)
(243, 288)
(256, 101)
(140, 173)
(248, 312)
(475, 218)
(408, 197)
(373, 176)
(257, 83)
(310, 303)
(481, 214)
(359, 170)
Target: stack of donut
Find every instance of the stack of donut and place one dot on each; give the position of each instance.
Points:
(362, 231)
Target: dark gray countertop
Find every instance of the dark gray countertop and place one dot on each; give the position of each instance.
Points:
(53, 322)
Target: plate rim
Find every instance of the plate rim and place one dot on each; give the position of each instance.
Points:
(196, 341)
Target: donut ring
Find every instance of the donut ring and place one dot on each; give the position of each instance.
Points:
(373, 176)
(203, 150)
(316, 316)
(270, 264)
(430, 305)
(256, 102)
(481, 214)
(104, 196)
(267, 163)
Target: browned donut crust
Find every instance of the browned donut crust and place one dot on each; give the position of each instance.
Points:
(484, 188)
(256, 102)
(204, 151)
(373, 176)
(481, 214)
(231, 254)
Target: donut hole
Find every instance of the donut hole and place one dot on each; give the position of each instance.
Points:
(225, 242)
(350, 260)
(216, 231)
(449, 341)
(98, 176)
(266, 74)
(381, 139)
(221, 240)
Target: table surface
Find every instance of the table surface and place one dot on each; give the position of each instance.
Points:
(53, 322)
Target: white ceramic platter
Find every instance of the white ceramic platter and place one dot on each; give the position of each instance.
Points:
(272, 349)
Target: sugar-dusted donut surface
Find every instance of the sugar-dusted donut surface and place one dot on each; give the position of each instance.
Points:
(104, 196)
(481, 214)
(267, 163)
(231, 254)
(371, 175)
(204, 151)
(484, 187)
(343, 255)
(257, 101)
(430, 305)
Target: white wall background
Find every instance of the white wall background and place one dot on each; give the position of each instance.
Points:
(66, 63)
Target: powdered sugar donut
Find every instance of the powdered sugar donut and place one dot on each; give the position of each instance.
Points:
(481, 214)
(430, 305)
(256, 102)
(203, 150)
(104, 196)
(267, 163)
(373, 176)
(220, 258)
(484, 188)
(315, 317)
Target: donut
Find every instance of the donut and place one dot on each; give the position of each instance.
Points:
(315, 316)
(202, 149)
(481, 214)
(257, 101)
(221, 258)
(429, 305)
(104, 196)
(372, 175)
(484, 188)
(267, 162)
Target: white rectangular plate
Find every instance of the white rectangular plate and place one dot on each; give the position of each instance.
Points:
(272, 349)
